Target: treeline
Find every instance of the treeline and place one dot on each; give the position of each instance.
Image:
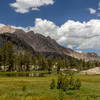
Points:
(12, 60)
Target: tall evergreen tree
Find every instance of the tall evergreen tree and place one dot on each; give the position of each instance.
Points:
(50, 64)
(72, 62)
(66, 63)
(10, 56)
(4, 55)
(0, 56)
(59, 65)
(27, 60)
(20, 62)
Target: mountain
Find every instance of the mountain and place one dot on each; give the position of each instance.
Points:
(31, 41)
(6, 29)
(37, 43)
(40, 43)
(86, 56)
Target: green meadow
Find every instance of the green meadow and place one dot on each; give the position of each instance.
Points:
(37, 88)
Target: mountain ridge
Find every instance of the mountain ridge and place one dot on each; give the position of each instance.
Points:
(36, 42)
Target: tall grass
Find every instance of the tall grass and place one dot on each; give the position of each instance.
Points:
(37, 88)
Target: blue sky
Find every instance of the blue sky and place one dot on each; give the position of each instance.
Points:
(62, 17)
(59, 12)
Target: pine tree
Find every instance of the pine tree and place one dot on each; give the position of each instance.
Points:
(50, 64)
(33, 60)
(10, 56)
(80, 64)
(0, 58)
(4, 55)
(59, 65)
(27, 60)
(20, 61)
(52, 85)
(72, 62)
(66, 63)
(42, 62)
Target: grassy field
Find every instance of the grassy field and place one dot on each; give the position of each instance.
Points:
(37, 88)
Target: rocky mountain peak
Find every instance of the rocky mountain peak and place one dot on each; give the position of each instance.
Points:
(7, 29)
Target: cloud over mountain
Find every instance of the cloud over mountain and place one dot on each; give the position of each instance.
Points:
(73, 34)
(24, 6)
(85, 35)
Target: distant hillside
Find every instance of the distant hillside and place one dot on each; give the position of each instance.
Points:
(85, 56)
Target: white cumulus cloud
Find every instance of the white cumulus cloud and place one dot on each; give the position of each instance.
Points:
(45, 27)
(92, 11)
(72, 34)
(82, 35)
(95, 11)
(24, 6)
(1, 25)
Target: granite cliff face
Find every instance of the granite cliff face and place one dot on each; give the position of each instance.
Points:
(36, 43)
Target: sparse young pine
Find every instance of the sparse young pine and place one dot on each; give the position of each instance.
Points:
(68, 82)
(78, 84)
(60, 81)
(24, 88)
(61, 94)
(52, 85)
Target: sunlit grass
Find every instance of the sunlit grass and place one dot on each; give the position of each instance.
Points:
(37, 88)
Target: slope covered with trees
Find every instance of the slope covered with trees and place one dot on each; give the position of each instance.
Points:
(13, 60)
